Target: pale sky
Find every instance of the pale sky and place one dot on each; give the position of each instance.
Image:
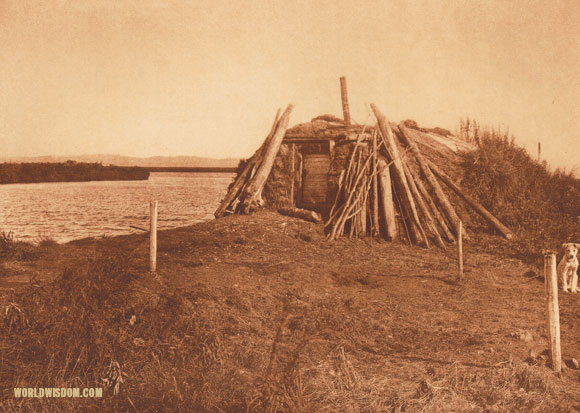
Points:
(204, 78)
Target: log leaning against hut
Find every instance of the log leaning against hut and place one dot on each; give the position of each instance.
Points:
(246, 192)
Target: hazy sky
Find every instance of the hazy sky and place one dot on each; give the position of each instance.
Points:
(181, 77)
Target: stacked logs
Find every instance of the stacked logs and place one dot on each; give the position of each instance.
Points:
(348, 213)
(245, 194)
(381, 179)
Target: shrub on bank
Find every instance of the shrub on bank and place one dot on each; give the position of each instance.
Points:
(523, 193)
(12, 249)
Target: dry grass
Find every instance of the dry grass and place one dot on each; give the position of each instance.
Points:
(260, 313)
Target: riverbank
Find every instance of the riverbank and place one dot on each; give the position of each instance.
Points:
(26, 173)
(261, 312)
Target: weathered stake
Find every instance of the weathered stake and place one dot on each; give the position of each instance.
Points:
(460, 248)
(344, 99)
(153, 237)
(375, 187)
(551, 282)
(292, 172)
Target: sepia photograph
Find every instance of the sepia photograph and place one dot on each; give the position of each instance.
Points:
(289, 206)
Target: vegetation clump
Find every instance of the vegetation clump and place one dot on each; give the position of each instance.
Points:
(540, 204)
(12, 249)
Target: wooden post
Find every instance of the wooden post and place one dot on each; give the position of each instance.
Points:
(539, 150)
(460, 249)
(363, 217)
(344, 99)
(292, 172)
(551, 283)
(375, 187)
(387, 201)
(153, 237)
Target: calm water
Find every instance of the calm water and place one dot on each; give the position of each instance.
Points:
(72, 210)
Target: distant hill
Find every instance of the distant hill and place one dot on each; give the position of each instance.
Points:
(154, 161)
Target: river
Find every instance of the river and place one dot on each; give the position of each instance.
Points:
(65, 211)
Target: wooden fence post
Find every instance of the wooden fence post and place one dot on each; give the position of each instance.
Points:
(292, 172)
(460, 248)
(153, 237)
(551, 282)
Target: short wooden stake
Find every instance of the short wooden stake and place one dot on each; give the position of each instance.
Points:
(551, 282)
(460, 248)
(153, 237)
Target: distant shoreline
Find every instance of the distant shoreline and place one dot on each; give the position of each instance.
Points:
(32, 173)
(187, 169)
(29, 173)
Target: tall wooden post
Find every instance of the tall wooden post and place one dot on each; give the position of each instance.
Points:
(344, 98)
(153, 237)
(292, 172)
(539, 151)
(551, 283)
(375, 187)
(460, 249)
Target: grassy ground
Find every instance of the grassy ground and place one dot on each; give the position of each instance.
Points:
(261, 313)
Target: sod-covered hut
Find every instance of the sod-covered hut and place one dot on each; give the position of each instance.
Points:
(383, 179)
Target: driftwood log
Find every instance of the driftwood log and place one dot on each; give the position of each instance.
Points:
(387, 201)
(250, 196)
(434, 210)
(477, 207)
(429, 221)
(243, 177)
(405, 195)
(350, 204)
(304, 214)
(440, 196)
(362, 215)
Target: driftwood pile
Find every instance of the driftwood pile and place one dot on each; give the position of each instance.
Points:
(245, 194)
(379, 181)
